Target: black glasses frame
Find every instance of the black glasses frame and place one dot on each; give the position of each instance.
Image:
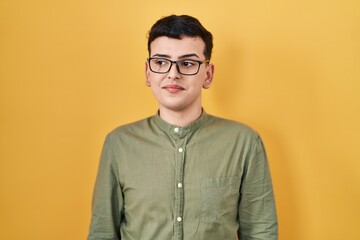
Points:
(177, 66)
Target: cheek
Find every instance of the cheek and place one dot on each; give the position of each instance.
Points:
(155, 81)
(201, 79)
(152, 78)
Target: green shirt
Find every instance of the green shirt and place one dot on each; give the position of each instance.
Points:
(208, 180)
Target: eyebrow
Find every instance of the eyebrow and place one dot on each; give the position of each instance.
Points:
(161, 55)
(180, 57)
(189, 55)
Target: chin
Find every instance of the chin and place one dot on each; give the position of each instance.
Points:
(174, 106)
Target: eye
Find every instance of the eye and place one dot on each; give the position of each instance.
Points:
(160, 62)
(188, 63)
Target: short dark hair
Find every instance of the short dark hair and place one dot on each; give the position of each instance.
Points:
(177, 27)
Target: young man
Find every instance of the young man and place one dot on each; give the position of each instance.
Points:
(182, 174)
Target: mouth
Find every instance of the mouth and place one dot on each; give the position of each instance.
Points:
(173, 88)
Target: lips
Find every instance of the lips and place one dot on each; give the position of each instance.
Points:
(173, 88)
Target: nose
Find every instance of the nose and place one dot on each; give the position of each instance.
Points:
(174, 71)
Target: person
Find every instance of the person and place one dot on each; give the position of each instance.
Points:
(182, 174)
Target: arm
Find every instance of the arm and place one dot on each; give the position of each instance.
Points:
(257, 213)
(107, 202)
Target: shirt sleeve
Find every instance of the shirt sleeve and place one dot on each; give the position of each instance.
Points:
(257, 212)
(107, 202)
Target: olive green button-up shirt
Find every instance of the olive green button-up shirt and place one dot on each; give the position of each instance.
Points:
(209, 180)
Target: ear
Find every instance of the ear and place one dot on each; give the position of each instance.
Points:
(209, 76)
(147, 75)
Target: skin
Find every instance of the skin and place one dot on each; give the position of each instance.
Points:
(179, 96)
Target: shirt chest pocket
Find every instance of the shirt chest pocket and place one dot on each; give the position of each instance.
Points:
(219, 199)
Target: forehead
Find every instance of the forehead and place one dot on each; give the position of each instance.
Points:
(177, 47)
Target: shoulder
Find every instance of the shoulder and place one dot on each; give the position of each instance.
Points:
(133, 128)
(228, 125)
(231, 132)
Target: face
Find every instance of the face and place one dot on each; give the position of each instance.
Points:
(174, 91)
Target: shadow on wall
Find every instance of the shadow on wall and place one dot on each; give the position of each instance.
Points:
(227, 77)
(286, 195)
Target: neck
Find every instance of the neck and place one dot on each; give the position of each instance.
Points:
(180, 118)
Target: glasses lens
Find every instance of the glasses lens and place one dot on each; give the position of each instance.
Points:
(160, 65)
(188, 67)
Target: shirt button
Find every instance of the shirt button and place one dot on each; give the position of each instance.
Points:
(179, 219)
(176, 129)
(181, 150)
(179, 185)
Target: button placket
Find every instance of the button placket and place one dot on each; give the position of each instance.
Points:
(179, 190)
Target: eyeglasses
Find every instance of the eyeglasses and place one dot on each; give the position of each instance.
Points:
(184, 67)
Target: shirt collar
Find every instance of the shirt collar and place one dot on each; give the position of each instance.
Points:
(178, 131)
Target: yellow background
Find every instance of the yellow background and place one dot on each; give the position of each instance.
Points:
(72, 70)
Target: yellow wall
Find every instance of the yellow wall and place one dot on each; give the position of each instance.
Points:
(72, 70)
